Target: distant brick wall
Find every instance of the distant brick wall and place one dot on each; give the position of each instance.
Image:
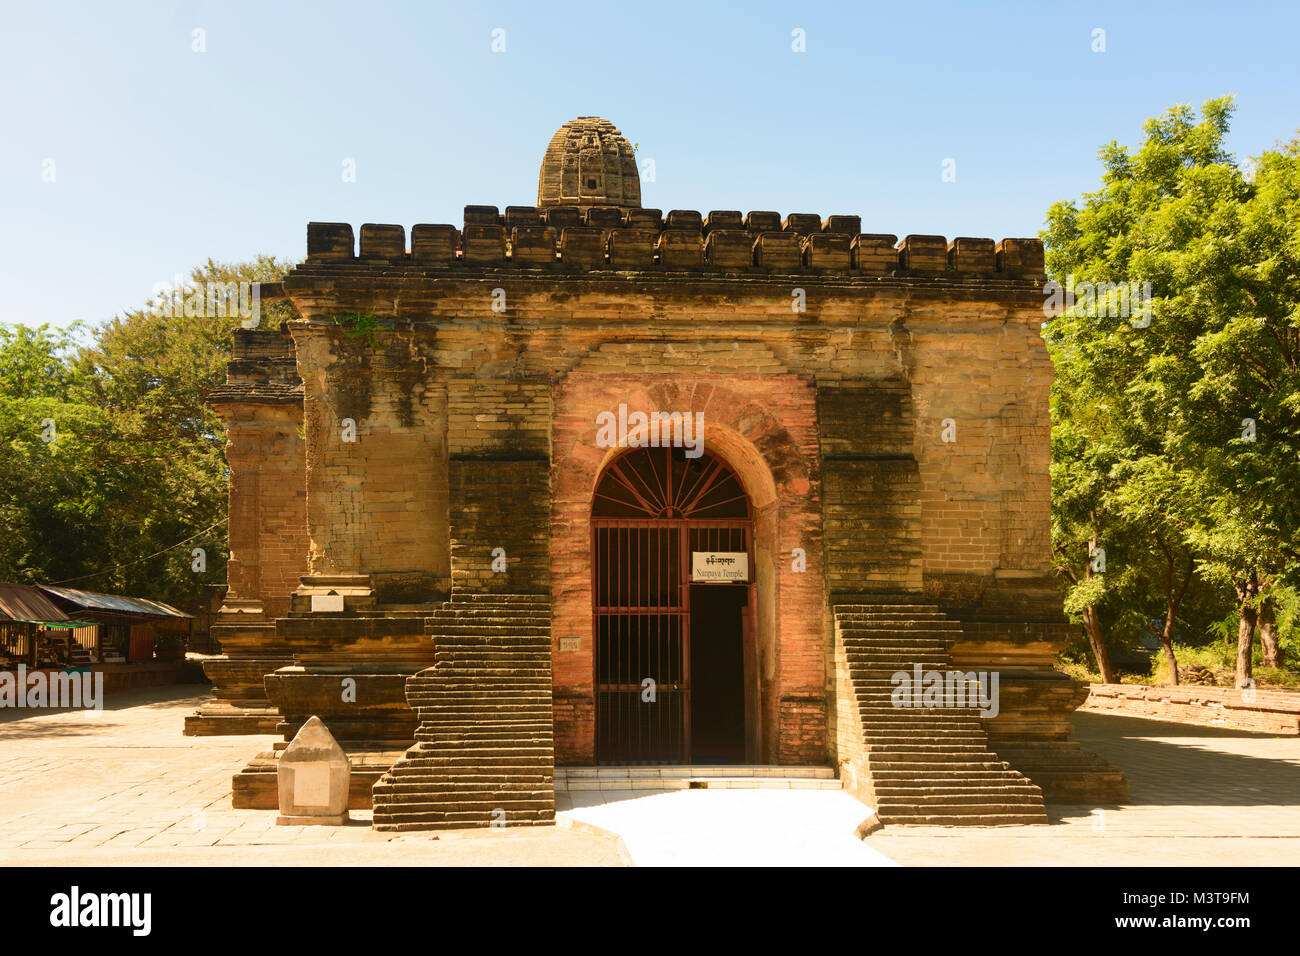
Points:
(1270, 712)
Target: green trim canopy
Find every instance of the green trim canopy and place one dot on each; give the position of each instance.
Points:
(62, 624)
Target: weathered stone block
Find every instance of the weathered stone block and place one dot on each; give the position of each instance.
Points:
(763, 221)
(434, 244)
(779, 251)
(632, 248)
(313, 778)
(606, 217)
(558, 217)
(874, 253)
(482, 216)
(383, 242)
(723, 219)
(583, 247)
(924, 254)
(969, 256)
(483, 245)
(847, 225)
(827, 251)
(803, 223)
(684, 219)
(729, 249)
(532, 246)
(680, 248)
(1021, 258)
(329, 240)
(648, 219)
(522, 216)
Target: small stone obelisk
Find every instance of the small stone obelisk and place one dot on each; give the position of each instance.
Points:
(313, 778)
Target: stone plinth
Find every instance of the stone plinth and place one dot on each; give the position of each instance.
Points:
(313, 779)
(349, 669)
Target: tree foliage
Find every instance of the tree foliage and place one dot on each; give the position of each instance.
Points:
(1176, 418)
(134, 461)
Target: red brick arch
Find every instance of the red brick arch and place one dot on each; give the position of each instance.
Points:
(764, 429)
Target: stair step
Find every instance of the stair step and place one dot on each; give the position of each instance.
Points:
(949, 820)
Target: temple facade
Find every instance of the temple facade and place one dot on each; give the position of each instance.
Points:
(587, 484)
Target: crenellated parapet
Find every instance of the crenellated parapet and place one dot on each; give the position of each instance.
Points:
(592, 238)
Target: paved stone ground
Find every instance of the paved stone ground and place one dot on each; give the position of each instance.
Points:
(1199, 796)
(125, 788)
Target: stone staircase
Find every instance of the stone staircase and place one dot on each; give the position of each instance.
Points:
(928, 766)
(484, 750)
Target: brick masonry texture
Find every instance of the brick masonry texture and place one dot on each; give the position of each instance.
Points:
(476, 430)
(827, 364)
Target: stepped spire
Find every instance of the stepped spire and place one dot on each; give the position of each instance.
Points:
(589, 163)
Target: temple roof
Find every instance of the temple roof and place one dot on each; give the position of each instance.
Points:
(589, 163)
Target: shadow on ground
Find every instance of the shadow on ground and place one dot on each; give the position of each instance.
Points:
(1168, 766)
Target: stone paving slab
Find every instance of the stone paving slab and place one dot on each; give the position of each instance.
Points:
(124, 787)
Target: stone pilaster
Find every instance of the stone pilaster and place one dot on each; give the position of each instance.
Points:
(261, 407)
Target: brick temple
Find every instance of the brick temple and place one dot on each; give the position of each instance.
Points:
(586, 484)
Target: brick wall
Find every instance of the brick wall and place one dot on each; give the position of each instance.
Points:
(376, 505)
(960, 519)
(498, 441)
(267, 531)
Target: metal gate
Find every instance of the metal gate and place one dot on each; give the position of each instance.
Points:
(653, 507)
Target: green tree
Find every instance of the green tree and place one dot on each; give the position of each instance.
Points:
(1176, 416)
(138, 463)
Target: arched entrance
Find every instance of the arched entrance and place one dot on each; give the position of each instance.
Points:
(674, 609)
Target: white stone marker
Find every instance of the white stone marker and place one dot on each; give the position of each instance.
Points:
(313, 778)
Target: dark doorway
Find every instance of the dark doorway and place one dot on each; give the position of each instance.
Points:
(673, 657)
(717, 673)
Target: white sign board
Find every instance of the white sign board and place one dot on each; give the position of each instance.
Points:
(326, 603)
(719, 566)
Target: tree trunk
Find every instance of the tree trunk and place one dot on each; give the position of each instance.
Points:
(1248, 616)
(1268, 635)
(1167, 642)
(1173, 600)
(1092, 624)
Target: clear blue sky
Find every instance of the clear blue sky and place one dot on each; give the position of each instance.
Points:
(164, 156)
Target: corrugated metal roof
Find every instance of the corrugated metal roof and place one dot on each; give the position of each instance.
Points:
(19, 602)
(93, 600)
